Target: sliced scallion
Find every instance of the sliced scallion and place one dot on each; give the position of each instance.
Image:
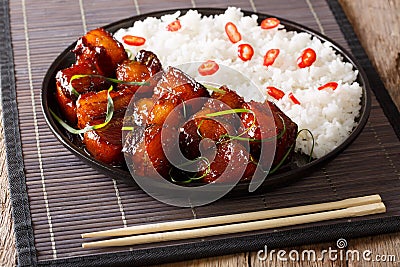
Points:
(229, 111)
(239, 138)
(191, 179)
(78, 76)
(109, 115)
(214, 89)
(127, 128)
(290, 149)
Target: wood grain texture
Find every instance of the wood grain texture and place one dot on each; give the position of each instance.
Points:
(377, 24)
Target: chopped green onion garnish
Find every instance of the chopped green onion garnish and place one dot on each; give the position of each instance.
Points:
(288, 152)
(123, 82)
(127, 128)
(77, 76)
(283, 159)
(291, 147)
(214, 89)
(184, 109)
(259, 140)
(229, 111)
(191, 179)
(73, 91)
(109, 115)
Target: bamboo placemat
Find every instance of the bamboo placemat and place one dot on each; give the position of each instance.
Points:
(56, 197)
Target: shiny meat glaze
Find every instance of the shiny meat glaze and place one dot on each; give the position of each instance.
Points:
(98, 53)
(99, 47)
(169, 94)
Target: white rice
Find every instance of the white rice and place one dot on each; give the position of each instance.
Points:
(329, 115)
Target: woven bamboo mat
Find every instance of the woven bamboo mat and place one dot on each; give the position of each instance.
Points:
(65, 197)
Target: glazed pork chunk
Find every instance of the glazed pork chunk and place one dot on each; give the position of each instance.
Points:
(99, 47)
(173, 88)
(66, 98)
(97, 53)
(222, 129)
(261, 123)
(92, 109)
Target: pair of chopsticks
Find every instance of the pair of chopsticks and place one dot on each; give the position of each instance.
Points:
(236, 223)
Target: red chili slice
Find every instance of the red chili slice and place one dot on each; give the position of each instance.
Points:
(133, 40)
(174, 26)
(208, 68)
(275, 92)
(307, 58)
(270, 23)
(245, 52)
(331, 85)
(270, 57)
(232, 32)
(293, 98)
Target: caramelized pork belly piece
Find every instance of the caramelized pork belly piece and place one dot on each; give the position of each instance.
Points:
(229, 97)
(66, 105)
(155, 150)
(150, 60)
(99, 47)
(145, 144)
(134, 140)
(175, 83)
(172, 112)
(270, 122)
(131, 71)
(199, 127)
(147, 152)
(65, 98)
(189, 140)
(93, 105)
(218, 129)
(288, 140)
(81, 85)
(141, 110)
(229, 161)
(231, 100)
(161, 109)
(145, 65)
(215, 128)
(262, 127)
(97, 56)
(172, 90)
(105, 144)
(142, 165)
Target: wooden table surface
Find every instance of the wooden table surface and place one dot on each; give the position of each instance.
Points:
(377, 24)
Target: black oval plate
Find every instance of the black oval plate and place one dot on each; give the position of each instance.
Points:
(66, 58)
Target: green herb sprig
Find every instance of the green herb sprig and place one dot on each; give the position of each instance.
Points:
(228, 112)
(109, 115)
(214, 89)
(191, 179)
(290, 149)
(78, 76)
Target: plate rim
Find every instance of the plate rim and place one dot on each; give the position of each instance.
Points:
(279, 179)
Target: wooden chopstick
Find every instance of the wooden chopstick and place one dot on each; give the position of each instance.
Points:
(234, 218)
(241, 227)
